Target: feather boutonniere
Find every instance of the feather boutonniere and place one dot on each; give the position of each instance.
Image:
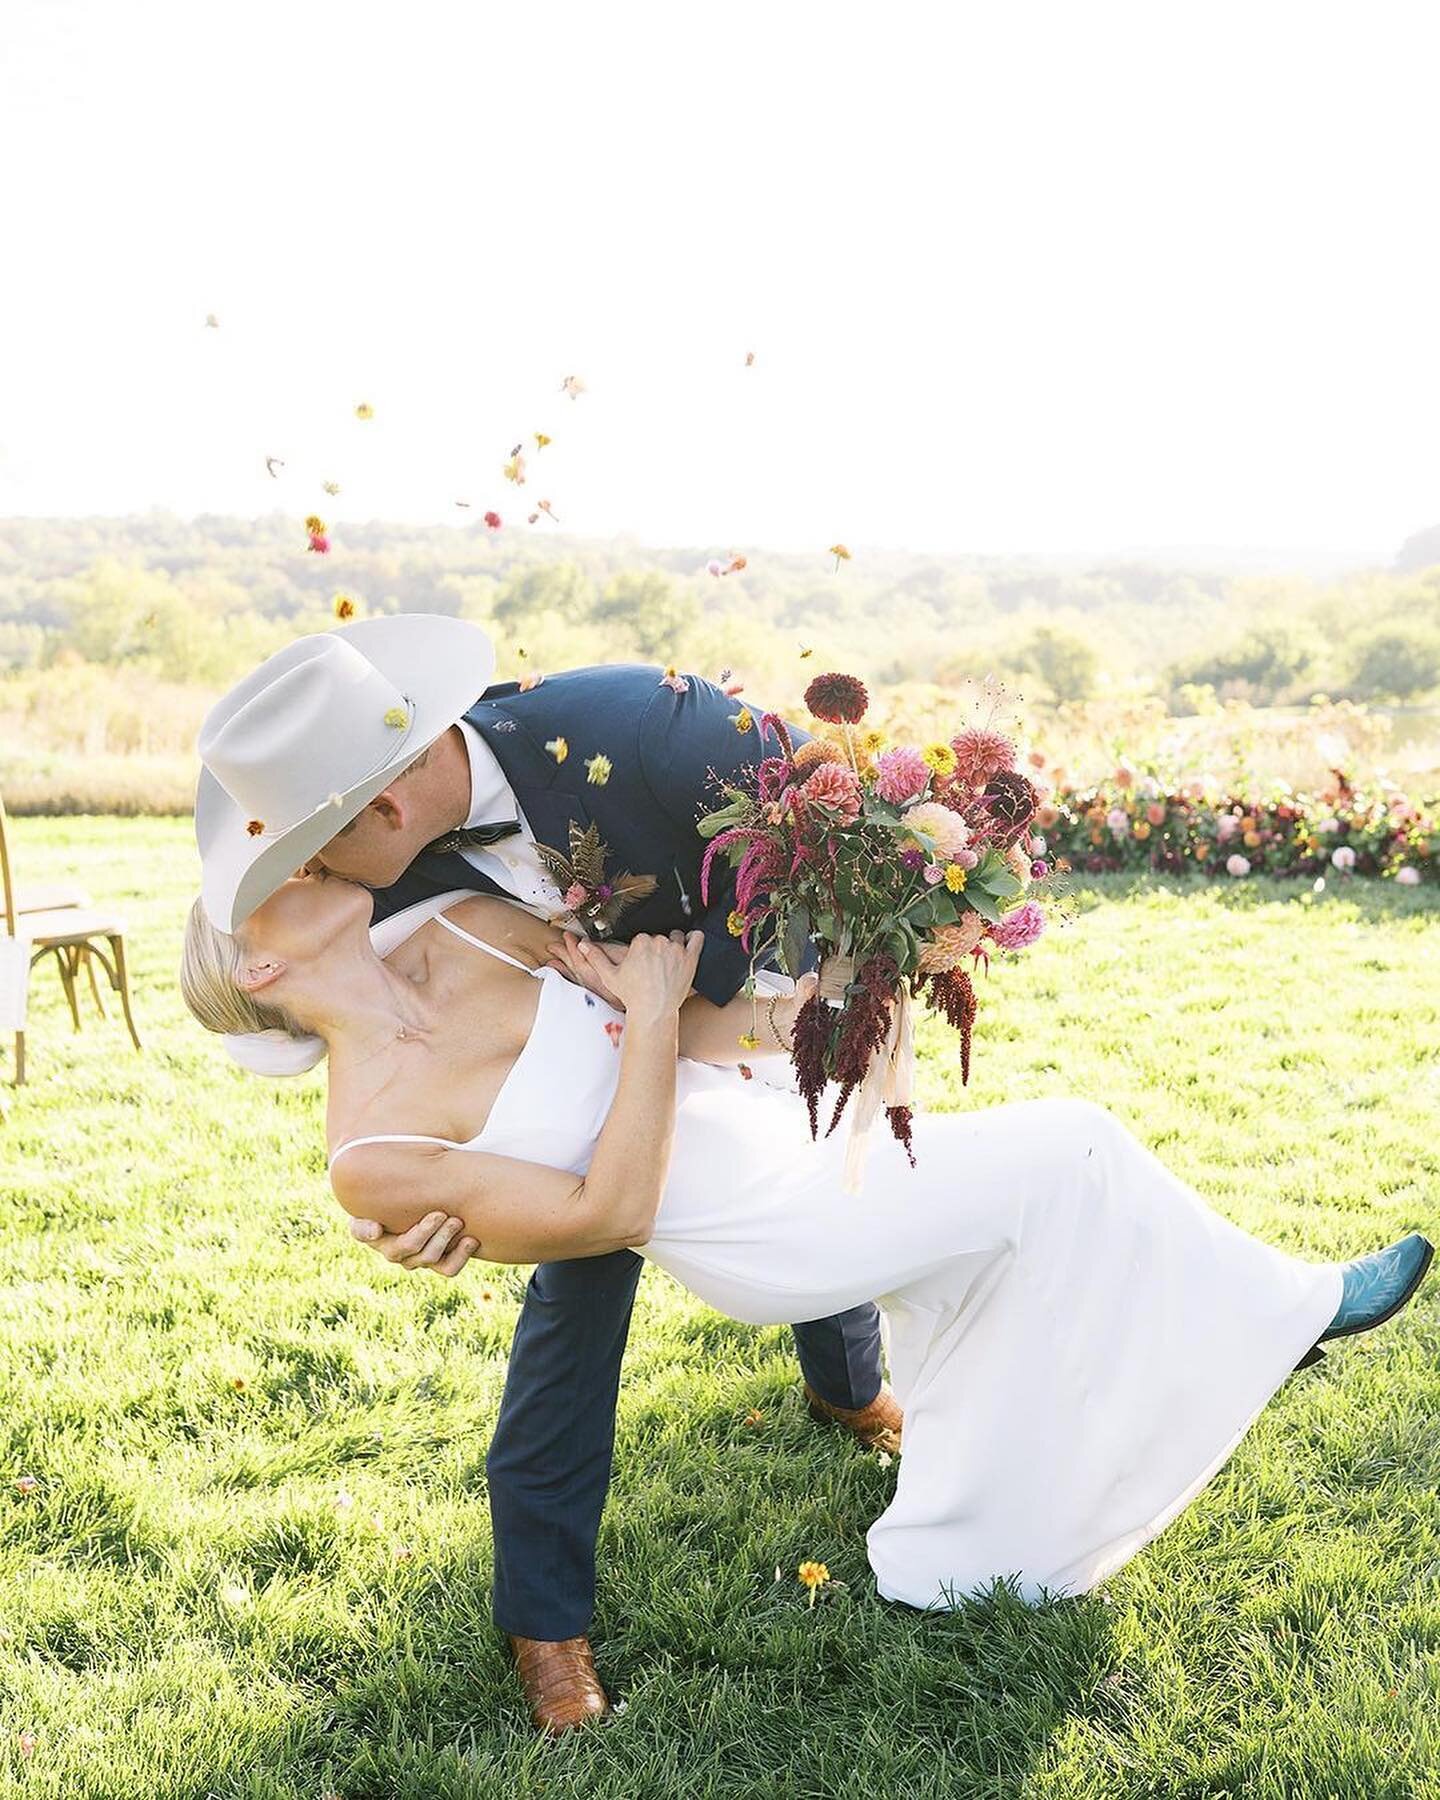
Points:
(591, 894)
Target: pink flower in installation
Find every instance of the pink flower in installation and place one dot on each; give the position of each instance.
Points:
(1019, 929)
(900, 775)
(834, 786)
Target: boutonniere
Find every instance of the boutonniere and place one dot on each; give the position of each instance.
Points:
(591, 894)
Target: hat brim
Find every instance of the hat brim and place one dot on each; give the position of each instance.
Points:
(443, 665)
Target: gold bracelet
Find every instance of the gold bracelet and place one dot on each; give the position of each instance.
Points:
(774, 1028)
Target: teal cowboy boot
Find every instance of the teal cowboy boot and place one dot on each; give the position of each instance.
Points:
(1376, 1287)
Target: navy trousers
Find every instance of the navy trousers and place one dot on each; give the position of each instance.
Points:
(549, 1461)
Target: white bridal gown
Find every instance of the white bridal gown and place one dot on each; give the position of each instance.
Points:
(1078, 1340)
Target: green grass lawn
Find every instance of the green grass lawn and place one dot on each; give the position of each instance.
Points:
(257, 1559)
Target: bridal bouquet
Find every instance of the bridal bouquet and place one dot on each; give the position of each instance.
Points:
(906, 864)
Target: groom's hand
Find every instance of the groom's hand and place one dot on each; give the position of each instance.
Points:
(424, 1246)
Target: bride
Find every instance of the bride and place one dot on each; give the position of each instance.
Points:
(1078, 1340)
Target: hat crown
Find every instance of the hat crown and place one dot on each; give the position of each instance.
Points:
(309, 723)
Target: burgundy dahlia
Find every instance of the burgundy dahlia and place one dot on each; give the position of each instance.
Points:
(838, 699)
(1011, 800)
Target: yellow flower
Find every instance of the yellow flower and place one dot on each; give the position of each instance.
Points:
(735, 925)
(1141, 829)
(344, 607)
(955, 878)
(314, 523)
(558, 748)
(397, 717)
(598, 769)
(749, 1041)
(541, 440)
(364, 410)
(940, 758)
(813, 1575)
(514, 470)
(869, 742)
(743, 720)
(840, 553)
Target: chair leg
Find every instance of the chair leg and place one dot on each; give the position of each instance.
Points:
(89, 959)
(122, 981)
(67, 977)
(19, 1059)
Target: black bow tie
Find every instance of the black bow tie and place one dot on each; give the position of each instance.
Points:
(473, 837)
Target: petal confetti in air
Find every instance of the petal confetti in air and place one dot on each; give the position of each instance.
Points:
(599, 769)
(331, 487)
(541, 440)
(673, 679)
(514, 470)
(806, 650)
(528, 683)
(492, 521)
(212, 322)
(272, 465)
(547, 509)
(397, 718)
(714, 566)
(319, 543)
(314, 524)
(749, 359)
(343, 607)
(743, 720)
(464, 503)
(573, 386)
(256, 828)
(558, 748)
(840, 553)
(364, 410)
(532, 518)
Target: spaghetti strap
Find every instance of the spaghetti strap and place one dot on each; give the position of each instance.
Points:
(480, 944)
(391, 1137)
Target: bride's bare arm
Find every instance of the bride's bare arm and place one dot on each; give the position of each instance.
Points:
(526, 1212)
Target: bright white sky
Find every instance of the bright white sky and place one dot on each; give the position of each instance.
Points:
(1026, 277)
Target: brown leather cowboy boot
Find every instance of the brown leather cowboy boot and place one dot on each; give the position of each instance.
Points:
(877, 1426)
(561, 1686)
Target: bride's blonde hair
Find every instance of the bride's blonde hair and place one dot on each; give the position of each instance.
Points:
(210, 966)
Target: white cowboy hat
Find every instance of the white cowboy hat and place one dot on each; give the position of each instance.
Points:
(306, 741)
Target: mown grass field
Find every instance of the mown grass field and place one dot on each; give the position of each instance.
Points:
(256, 1559)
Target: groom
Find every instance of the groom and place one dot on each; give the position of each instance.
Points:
(516, 769)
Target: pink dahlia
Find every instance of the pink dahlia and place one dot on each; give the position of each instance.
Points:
(979, 754)
(900, 775)
(1020, 928)
(834, 787)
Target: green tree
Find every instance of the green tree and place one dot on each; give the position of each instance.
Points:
(1394, 663)
(1065, 662)
(642, 608)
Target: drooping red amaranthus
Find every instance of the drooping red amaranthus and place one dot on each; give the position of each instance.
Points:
(739, 834)
(902, 1123)
(811, 1034)
(772, 723)
(953, 993)
(864, 1022)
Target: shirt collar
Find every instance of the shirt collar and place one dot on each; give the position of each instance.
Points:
(491, 796)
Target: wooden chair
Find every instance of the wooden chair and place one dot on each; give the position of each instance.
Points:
(55, 920)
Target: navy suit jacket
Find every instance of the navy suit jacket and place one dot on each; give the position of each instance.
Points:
(665, 749)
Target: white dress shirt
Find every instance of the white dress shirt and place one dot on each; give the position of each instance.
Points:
(512, 863)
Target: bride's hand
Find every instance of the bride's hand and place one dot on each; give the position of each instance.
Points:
(655, 978)
(589, 971)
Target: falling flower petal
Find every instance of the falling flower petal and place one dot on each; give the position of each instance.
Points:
(558, 748)
(27, 1483)
(397, 718)
(749, 1041)
(749, 359)
(492, 521)
(541, 440)
(598, 770)
(745, 1071)
(28, 1739)
(743, 720)
(573, 386)
(272, 464)
(256, 827)
(676, 681)
(364, 410)
(343, 606)
(754, 1418)
(806, 650)
(319, 543)
(840, 553)
(533, 517)
(514, 470)
(528, 683)
(546, 508)
(714, 566)
(331, 487)
(212, 322)
(614, 1030)
(814, 1576)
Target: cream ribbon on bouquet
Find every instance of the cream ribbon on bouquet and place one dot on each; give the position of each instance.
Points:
(890, 1078)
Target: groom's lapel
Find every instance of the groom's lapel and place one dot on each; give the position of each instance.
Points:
(547, 790)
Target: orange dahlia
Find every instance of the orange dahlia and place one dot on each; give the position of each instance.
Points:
(949, 945)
